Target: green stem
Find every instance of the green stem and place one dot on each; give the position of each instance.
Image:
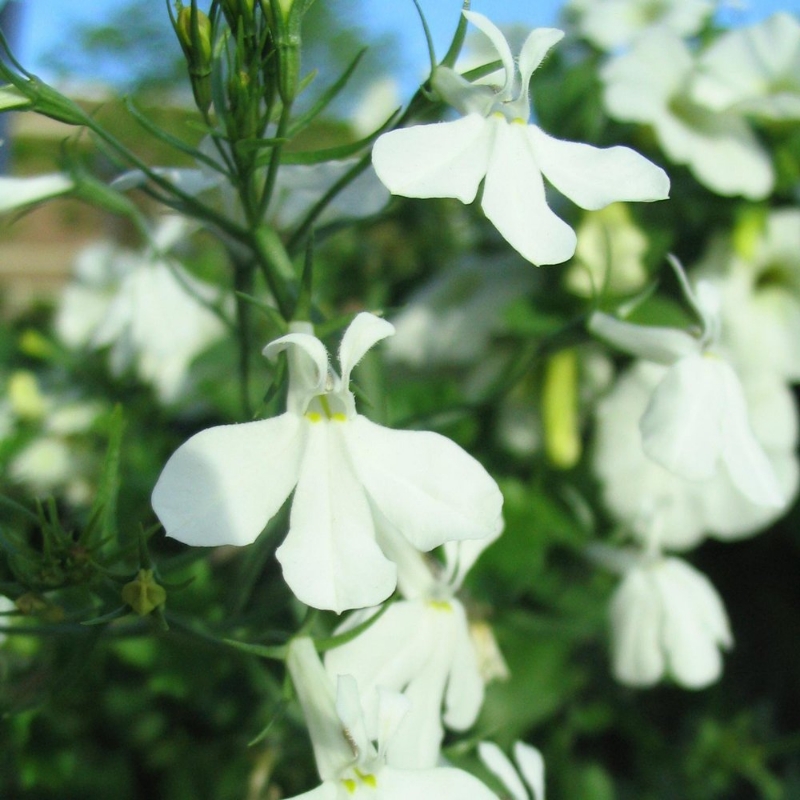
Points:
(274, 162)
(244, 283)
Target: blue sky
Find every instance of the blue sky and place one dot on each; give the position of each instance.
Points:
(46, 21)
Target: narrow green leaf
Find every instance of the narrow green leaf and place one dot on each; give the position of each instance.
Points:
(343, 638)
(104, 508)
(337, 153)
(172, 141)
(325, 98)
(275, 653)
(458, 38)
(280, 710)
(110, 617)
(428, 38)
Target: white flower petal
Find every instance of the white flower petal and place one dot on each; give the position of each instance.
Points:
(426, 485)
(224, 484)
(654, 343)
(392, 709)
(440, 783)
(316, 694)
(531, 765)
(464, 696)
(594, 177)
(418, 740)
(348, 708)
(446, 159)
(501, 767)
(682, 426)
(636, 621)
(721, 151)
(535, 48)
(640, 83)
(746, 67)
(744, 457)
(514, 199)
(330, 558)
(308, 367)
(18, 192)
(459, 557)
(363, 333)
(496, 37)
(695, 624)
(390, 653)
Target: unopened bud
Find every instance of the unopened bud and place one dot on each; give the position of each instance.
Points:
(560, 410)
(236, 10)
(194, 32)
(143, 594)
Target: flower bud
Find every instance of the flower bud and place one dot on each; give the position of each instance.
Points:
(560, 410)
(143, 594)
(235, 10)
(194, 32)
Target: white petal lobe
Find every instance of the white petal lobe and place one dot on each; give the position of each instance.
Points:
(224, 484)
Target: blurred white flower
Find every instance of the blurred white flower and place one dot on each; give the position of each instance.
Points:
(451, 320)
(6, 604)
(420, 646)
(51, 461)
(642, 494)
(757, 272)
(753, 70)
(651, 85)
(298, 188)
(226, 483)
(667, 619)
(494, 143)
(18, 192)
(145, 307)
(349, 765)
(610, 24)
(529, 761)
(696, 420)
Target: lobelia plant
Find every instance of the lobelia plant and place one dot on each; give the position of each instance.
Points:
(185, 521)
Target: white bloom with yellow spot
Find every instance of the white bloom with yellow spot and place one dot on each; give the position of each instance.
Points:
(226, 483)
(697, 417)
(421, 646)
(350, 766)
(494, 143)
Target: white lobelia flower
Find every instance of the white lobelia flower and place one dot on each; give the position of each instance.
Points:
(667, 619)
(651, 84)
(225, 483)
(697, 416)
(145, 307)
(420, 646)
(610, 24)
(757, 272)
(529, 761)
(753, 70)
(642, 494)
(19, 192)
(494, 141)
(350, 766)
